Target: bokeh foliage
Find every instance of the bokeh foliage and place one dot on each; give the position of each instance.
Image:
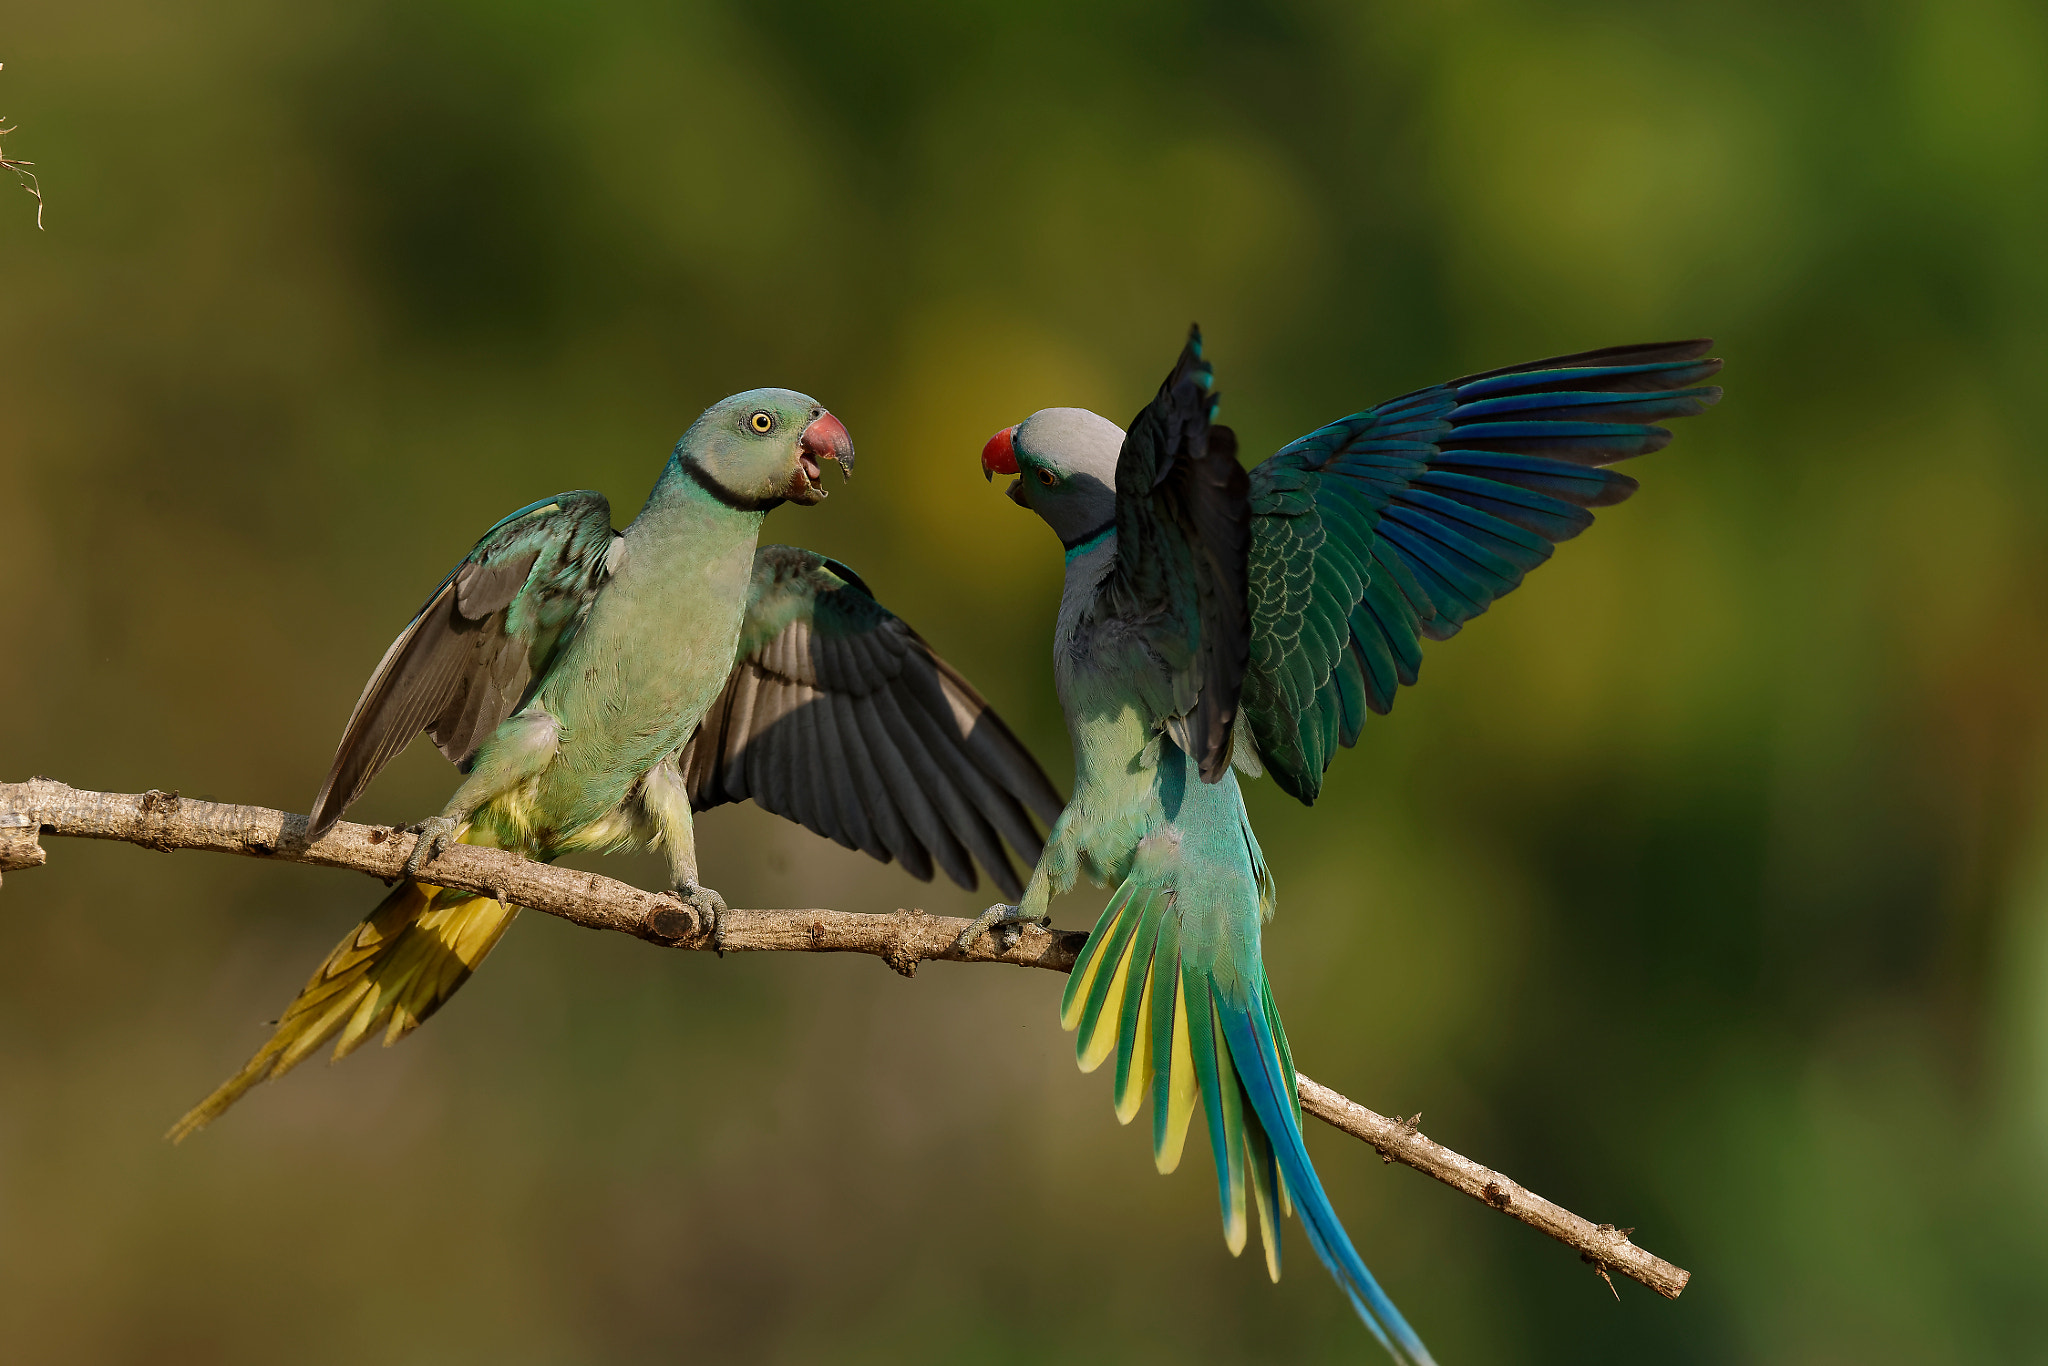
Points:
(1702, 885)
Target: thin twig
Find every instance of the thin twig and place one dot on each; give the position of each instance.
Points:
(21, 170)
(167, 822)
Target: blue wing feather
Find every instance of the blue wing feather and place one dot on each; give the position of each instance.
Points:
(1401, 523)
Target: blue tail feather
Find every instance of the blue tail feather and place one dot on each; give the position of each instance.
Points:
(1273, 1097)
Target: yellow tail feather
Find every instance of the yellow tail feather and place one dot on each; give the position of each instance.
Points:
(1102, 1041)
(1076, 1000)
(403, 962)
(1139, 1080)
(1182, 1091)
(1230, 1100)
(1264, 1191)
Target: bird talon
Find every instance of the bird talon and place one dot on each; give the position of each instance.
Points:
(708, 905)
(434, 834)
(1008, 922)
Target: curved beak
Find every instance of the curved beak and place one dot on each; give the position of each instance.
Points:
(999, 456)
(826, 439)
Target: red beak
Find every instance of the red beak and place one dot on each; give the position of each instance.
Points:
(999, 456)
(826, 439)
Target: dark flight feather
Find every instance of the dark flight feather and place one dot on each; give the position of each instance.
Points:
(840, 716)
(1183, 527)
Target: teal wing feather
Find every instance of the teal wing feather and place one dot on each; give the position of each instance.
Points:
(1401, 523)
(1183, 527)
(474, 650)
(837, 715)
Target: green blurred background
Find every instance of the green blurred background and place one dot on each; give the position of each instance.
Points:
(1702, 886)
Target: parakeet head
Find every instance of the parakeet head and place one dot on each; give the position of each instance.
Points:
(1065, 463)
(764, 447)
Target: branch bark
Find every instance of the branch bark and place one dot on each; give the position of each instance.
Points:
(166, 822)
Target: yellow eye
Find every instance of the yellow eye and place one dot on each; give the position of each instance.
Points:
(1048, 478)
(761, 422)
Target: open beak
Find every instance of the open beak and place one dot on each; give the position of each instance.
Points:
(824, 439)
(999, 456)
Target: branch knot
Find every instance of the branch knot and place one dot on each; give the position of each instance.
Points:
(155, 811)
(18, 841)
(903, 955)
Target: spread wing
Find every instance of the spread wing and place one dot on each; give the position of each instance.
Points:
(1405, 521)
(1183, 531)
(840, 717)
(469, 655)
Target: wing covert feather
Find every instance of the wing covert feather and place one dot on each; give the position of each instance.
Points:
(475, 648)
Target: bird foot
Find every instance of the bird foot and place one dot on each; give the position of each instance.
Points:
(434, 833)
(1007, 922)
(709, 907)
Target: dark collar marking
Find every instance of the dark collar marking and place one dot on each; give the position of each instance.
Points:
(737, 502)
(1092, 536)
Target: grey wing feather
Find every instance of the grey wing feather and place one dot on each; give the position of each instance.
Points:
(473, 651)
(938, 804)
(839, 716)
(918, 832)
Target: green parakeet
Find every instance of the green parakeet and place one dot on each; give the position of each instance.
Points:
(599, 686)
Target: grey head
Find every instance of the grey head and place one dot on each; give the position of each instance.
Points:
(764, 447)
(1065, 463)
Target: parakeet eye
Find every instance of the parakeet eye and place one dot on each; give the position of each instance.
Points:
(1048, 478)
(761, 422)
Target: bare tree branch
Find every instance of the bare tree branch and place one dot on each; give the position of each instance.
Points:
(166, 822)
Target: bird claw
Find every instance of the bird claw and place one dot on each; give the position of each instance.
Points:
(708, 905)
(434, 834)
(1007, 922)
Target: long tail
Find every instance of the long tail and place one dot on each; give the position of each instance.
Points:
(1187, 1030)
(400, 965)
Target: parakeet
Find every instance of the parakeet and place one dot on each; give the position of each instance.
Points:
(598, 686)
(1215, 617)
